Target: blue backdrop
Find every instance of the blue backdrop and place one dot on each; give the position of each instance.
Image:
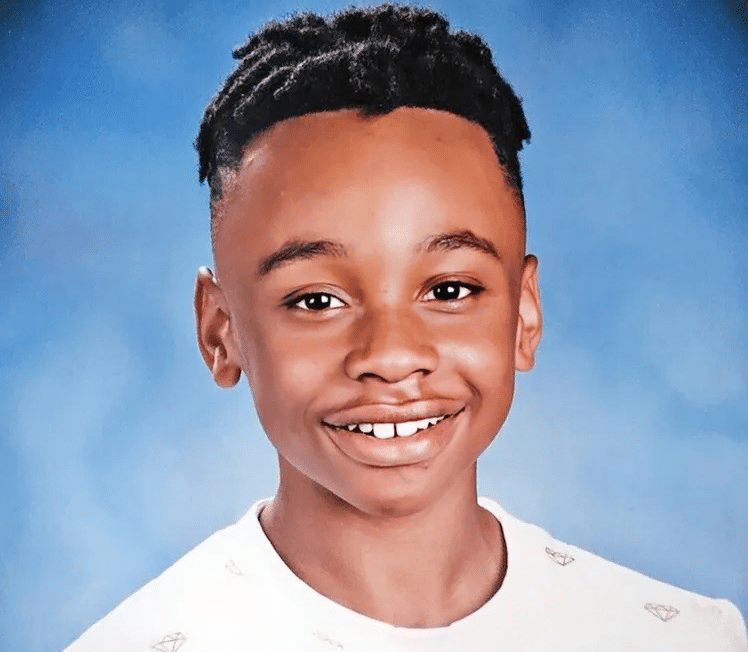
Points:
(117, 453)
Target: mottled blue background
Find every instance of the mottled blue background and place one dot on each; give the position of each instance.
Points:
(117, 453)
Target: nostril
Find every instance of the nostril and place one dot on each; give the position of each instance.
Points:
(391, 372)
(390, 350)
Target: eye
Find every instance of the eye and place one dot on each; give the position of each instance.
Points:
(452, 291)
(316, 301)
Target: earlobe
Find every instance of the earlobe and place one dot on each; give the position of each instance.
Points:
(530, 320)
(214, 334)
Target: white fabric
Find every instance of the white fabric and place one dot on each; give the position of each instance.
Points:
(233, 593)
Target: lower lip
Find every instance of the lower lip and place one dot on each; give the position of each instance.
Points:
(396, 451)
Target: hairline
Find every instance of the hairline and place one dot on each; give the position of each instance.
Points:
(229, 172)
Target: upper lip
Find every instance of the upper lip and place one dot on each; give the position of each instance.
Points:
(393, 413)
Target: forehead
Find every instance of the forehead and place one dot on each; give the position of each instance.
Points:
(324, 170)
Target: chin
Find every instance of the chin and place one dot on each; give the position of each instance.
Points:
(395, 496)
(393, 506)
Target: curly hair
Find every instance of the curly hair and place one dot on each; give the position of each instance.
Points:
(372, 59)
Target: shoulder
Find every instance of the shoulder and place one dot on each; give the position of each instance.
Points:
(218, 582)
(573, 590)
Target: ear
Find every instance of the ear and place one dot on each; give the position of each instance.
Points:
(530, 321)
(214, 333)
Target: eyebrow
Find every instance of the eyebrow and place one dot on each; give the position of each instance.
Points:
(459, 239)
(305, 249)
(299, 250)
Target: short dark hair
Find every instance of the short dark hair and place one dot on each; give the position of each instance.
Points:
(373, 59)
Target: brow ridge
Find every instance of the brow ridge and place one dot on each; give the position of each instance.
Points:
(459, 239)
(299, 250)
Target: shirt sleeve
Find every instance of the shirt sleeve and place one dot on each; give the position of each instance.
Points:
(736, 627)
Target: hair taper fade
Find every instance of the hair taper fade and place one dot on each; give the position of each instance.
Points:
(373, 59)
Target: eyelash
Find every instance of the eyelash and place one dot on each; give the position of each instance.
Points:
(294, 303)
(471, 287)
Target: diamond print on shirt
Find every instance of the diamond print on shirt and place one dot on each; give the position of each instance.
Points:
(562, 559)
(170, 642)
(663, 611)
(328, 640)
(231, 567)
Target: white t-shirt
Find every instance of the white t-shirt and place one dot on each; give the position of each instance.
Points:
(234, 593)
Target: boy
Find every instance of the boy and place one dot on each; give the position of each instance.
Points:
(371, 282)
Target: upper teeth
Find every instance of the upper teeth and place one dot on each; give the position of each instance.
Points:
(389, 430)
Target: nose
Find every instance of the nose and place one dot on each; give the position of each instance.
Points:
(391, 346)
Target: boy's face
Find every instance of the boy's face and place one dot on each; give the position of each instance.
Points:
(372, 271)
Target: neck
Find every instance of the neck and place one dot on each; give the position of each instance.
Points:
(427, 567)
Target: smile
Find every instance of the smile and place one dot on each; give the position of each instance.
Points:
(390, 430)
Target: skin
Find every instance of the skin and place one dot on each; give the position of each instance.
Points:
(422, 302)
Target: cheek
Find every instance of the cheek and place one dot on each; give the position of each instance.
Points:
(486, 365)
(286, 372)
(485, 345)
(483, 358)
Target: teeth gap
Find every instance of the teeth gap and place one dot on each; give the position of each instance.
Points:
(369, 430)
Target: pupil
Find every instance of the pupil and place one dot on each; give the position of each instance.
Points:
(447, 291)
(318, 301)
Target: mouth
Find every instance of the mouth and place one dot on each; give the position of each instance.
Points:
(390, 430)
(402, 435)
